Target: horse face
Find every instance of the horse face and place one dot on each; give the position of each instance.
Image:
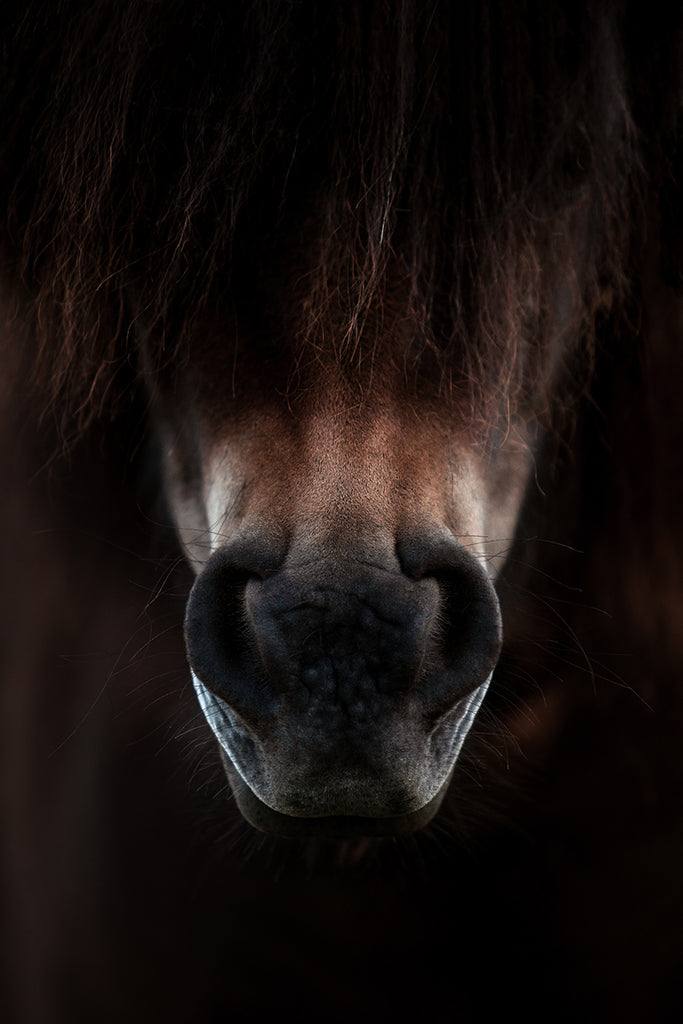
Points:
(343, 626)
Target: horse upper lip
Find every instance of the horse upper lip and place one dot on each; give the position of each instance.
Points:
(321, 782)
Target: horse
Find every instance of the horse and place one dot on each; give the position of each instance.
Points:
(341, 599)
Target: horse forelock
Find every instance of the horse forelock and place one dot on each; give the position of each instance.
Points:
(451, 169)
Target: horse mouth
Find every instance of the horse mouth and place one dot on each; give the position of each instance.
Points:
(263, 818)
(321, 802)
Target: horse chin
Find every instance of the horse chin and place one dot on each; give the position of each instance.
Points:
(265, 819)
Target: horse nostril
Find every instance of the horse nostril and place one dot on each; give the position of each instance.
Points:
(469, 638)
(435, 554)
(252, 556)
(219, 642)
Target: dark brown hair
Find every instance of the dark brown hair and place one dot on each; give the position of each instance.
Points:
(480, 159)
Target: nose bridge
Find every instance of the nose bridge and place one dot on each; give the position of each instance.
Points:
(349, 489)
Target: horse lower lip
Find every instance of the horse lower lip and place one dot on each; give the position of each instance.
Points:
(265, 819)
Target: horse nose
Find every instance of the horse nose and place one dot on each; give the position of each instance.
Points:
(341, 684)
(340, 634)
(334, 635)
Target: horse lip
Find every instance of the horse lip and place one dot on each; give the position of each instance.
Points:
(449, 734)
(263, 818)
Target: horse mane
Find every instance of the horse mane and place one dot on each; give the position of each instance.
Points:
(153, 154)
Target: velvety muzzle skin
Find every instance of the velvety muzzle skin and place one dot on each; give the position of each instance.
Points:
(342, 692)
(267, 819)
